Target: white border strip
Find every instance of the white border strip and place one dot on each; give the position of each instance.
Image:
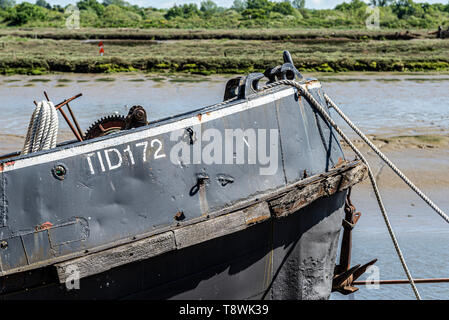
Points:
(194, 120)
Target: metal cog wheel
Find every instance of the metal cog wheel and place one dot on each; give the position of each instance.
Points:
(105, 126)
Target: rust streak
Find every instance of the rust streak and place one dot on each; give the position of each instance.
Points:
(298, 205)
(340, 163)
(6, 164)
(44, 226)
(257, 219)
(312, 82)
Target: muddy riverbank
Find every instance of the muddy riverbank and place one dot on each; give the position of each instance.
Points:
(208, 53)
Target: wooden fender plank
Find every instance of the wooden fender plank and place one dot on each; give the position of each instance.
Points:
(222, 225)
(303, 195)
(108, 259)
(150, 247)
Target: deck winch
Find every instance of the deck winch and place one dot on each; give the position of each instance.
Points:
(137, 117)
(42, 131)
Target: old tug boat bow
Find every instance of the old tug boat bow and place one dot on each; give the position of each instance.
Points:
(244, 199)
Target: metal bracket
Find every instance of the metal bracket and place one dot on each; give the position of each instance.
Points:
(344, 275)
(224, 179)
(245, 87)
(251, 85)
(200, 180)
(232, 88)
(343, 282)
(137, 117)
(287, 71)
(191, 135)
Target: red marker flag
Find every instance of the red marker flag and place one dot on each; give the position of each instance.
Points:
(101, 48)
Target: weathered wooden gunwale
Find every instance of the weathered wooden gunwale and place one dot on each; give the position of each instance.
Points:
(271, 205)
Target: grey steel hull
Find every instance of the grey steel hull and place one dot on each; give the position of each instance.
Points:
(124, 188)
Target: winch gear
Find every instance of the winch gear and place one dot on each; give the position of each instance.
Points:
(106, 125)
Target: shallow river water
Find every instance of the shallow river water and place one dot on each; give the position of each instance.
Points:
(378, 104)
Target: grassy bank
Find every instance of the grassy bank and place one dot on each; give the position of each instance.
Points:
(205, 34)
(331, 53)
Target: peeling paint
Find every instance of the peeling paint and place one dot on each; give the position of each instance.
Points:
(257, 219)
(43, 226)
(6, 164)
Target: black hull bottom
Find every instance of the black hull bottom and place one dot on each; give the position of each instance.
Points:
(288, 258)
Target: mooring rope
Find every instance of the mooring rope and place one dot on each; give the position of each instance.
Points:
(387, 161)
(304, 92)
(42, 131)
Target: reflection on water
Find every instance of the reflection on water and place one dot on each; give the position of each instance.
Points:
(406, 104)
